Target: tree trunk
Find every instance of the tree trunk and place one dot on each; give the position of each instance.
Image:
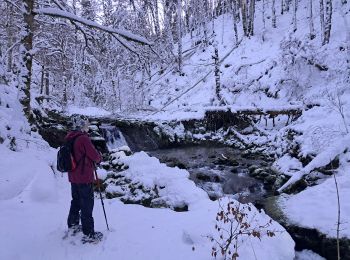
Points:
(223, 22)
(179, 35)
(119, 94)
(65, 90)
(274, 14)
(217, 74)
(205, 30)
(42, 80)
(251, 17)
(167, 35)
(322, 19)
(244, 17)
(27, 58)
(156, 22)
(263, 19)
(10, 36)
(47, 83)
(311, 21)
(328, 22)
(295, 8)
(234, 13)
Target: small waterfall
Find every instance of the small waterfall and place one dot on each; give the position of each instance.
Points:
(113, 136)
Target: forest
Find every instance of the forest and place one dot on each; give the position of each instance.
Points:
(221, 128)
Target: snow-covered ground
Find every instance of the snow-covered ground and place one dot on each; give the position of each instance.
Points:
(34, 221)
(34, 203)
(317, 206)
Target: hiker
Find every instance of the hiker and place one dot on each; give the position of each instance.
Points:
(82, 179)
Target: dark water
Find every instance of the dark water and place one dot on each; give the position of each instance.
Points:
(218, 170)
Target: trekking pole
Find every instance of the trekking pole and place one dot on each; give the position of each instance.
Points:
(103, 205)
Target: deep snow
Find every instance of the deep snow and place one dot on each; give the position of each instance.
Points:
(34, 203)
(34, 220)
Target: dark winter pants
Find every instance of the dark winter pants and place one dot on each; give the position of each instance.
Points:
(83, 202)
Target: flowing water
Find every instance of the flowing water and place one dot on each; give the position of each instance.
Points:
(218, 170)
(113, 136)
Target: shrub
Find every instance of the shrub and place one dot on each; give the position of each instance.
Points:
(234, 223)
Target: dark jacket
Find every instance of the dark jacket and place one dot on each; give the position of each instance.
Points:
(85, 156)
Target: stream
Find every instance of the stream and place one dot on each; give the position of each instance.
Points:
(217, 170)
(224, 171)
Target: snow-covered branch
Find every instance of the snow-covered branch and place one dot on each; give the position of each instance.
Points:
(67, 15)
(319, 161)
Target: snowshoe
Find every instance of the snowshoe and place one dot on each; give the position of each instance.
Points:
(93, 238)
(73, 231)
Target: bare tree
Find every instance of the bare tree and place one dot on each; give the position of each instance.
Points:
(337, 104)
(155, 14)
(29, 12)
(244, 14)
(322, 19)
(263, 19)
(311, 21)
(248, 13)
(273, 14)
(251, 17)
(217, 74)
(10, 35)
(328, 22)
(234, 15)
(295, 9)
(27, 57)
(179, 35)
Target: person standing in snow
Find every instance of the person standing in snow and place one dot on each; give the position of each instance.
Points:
(82, 179)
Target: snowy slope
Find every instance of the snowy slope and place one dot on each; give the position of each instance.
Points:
(274, 68)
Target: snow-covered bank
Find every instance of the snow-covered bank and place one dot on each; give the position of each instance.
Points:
(307, 255)
(322, 138)
(317, 206)
(171, 184)
(35, 220)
